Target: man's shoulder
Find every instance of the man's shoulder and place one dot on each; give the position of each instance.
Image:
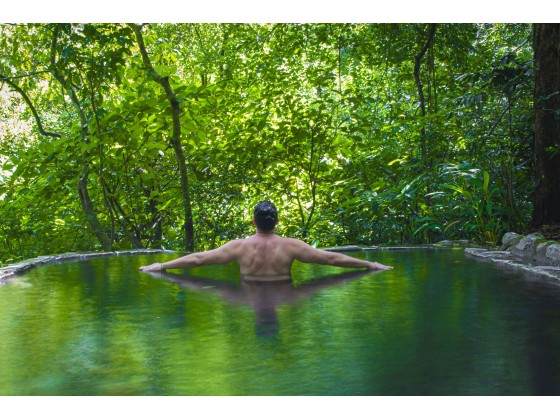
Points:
(294, 242)
(241, 242)
(234, 243)
(237, 242)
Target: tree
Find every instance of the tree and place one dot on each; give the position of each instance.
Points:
(175, 137)
(546, 201)
(360, 133)
(83, 178)
(421, 99)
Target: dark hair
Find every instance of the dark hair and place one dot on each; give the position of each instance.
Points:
(265, 215)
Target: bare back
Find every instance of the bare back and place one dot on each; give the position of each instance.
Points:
(265, 257)
(269, 257)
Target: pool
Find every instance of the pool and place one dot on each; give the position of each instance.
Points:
(440, 323)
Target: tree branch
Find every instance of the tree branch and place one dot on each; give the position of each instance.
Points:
(31, 107)
(21, 76)
(499, 119)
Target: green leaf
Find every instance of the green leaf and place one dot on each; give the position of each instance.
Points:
(450, 224)
(486, 181)
(459, 190)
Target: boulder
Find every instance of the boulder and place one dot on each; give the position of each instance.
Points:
(553, 253)
(511, 239)
(527, 246)
(540, 251)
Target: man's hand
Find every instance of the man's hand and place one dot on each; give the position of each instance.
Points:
(153, 267)
(377, 266)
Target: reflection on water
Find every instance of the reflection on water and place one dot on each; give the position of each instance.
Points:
(438, 324)
(263, 296)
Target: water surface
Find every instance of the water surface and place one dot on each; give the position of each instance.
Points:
(440, 323)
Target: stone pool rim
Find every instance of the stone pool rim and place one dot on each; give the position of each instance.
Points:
(9, 271)
(531, 254)
(504, 258)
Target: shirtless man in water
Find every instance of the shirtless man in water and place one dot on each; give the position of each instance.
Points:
(265, 256)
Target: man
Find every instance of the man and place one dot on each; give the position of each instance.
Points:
(265, 256)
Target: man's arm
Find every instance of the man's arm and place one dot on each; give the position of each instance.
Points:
(222, 255)
(308, 254)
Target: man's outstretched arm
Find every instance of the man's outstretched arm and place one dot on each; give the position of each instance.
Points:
(222, 255)
(308, 254)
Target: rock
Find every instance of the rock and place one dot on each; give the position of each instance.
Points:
(6, 273)
(547, 267)
(540, 251)
(479, 252)
(511, 239)
(496, 254)
(445, 243)
(526, 247)
(522, 252)
(553, 253)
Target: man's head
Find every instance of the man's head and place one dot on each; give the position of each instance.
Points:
(265, 216)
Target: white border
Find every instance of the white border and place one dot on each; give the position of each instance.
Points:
(251, 11)
(278, 408)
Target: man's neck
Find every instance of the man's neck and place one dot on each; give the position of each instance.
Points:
(270, 232)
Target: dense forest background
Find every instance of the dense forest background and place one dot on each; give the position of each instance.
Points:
(117, 136)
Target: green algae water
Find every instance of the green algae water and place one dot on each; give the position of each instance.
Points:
(440, 323)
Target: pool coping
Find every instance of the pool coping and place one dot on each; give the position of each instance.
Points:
(505, 259)
(11, 270)
(508, 260)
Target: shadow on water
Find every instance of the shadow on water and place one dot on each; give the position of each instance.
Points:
(263, 296)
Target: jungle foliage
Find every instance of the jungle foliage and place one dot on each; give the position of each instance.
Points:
(117, 136)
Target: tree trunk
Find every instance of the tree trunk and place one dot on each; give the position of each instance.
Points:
(175, 138)
(85, 200)
(87, 206)
(423, 136)
(546, 201)
(417, 60)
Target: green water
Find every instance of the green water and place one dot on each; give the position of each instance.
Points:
(438, 324)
